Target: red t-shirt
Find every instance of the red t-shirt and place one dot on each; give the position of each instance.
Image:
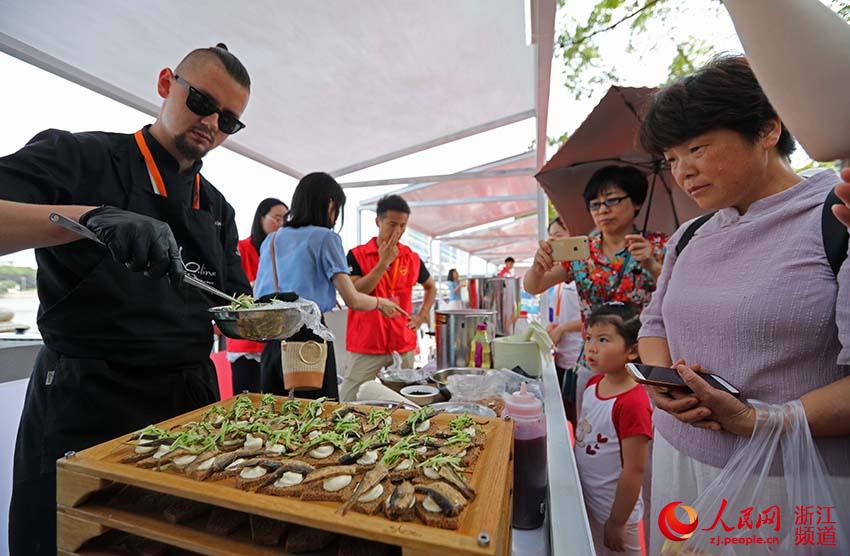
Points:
(603, 424)
(250, 262)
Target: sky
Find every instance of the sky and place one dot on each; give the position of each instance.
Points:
(245, 182)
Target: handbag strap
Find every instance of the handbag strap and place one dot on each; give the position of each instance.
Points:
(274, 261)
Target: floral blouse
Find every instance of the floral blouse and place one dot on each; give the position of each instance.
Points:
(600, 279)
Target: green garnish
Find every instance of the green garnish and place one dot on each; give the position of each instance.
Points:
(267, 399)
(459, 437)
(309, 424)
(290, 407)
(399, 450)
(243, 405)
(461, 423)
(152, 431)
(346, 426)
(314, 408)
(438, 460)
(327, 438)
(287, 437)
(243, 301)
(377, 416)
(419, 416)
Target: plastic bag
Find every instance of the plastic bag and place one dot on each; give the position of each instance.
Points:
(397, 373)
(308, 315)
(497, 382)
(744, 503)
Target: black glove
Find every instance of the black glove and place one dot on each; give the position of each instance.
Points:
(141, 243)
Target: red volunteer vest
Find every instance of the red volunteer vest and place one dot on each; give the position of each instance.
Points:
(370, 332)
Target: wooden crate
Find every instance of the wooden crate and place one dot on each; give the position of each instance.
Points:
(81, 475)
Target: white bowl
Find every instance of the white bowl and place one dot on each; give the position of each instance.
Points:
(421, 394)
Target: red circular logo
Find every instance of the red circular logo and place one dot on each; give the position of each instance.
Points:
(673, 528)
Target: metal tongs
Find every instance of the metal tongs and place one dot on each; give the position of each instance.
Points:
(190, 279)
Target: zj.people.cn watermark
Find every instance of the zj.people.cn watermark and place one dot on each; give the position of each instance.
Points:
(813, 525)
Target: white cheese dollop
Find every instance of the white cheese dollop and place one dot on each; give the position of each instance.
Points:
(236, 463)
(334, 484)
(431, 506)
(368, 458)
(321, 452)
(183, 461)
(253, 442)
(289, 479)
(206, 464)
(372, 494)
(253, 472)
(404, 465)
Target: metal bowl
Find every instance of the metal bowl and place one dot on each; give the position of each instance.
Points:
(463, 407)
(260, 324)
(410, 406)
(442, 377)
(396, 379)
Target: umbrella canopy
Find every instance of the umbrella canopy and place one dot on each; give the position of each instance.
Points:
(609, 136)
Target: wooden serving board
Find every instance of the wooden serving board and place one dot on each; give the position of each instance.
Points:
(81, 474)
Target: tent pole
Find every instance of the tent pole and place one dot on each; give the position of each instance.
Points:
(672, 204)
(542, 232)
(359, 226)
(649, 200)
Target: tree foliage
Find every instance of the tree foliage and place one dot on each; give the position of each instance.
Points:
(586, 70)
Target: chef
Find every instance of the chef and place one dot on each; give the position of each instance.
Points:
(126, 343)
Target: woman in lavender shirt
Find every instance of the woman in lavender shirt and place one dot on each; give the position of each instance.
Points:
(752, 297)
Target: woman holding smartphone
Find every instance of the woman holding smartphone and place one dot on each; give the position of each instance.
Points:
(623, 264)
(752, 297)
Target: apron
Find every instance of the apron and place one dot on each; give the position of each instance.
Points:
(75, 402)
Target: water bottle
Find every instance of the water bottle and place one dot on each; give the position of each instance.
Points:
(530, 476)
(521, 324)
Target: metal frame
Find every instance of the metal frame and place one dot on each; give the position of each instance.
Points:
(438, 141)
(439, 178)
(461, 201)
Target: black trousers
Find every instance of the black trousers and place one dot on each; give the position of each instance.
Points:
(272, 370)
(72, 404)
(245, 374)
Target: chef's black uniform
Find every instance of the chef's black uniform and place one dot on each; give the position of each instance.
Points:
(121, 350)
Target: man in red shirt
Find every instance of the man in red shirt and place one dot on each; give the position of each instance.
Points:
(508, 270)
(385, 268)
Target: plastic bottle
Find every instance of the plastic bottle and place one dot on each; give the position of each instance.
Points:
(530, 476)
(479, 351)
(521, 324)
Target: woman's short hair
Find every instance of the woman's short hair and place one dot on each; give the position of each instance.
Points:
(625, 317)
(311, 200)
(628, 178)
(258, 235)
(722, 95)
(452, 272)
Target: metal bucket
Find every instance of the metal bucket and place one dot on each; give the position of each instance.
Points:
(455, 329)
(502, 296)
(475, 292)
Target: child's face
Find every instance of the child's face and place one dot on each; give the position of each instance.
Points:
(606, 351)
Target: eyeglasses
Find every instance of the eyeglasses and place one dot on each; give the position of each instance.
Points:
(202, 105)
(594, 206)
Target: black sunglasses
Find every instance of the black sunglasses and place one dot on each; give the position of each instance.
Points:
(202, 105)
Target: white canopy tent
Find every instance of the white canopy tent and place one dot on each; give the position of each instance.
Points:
(337, 86)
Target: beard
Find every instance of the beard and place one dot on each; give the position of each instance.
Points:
(187, 147)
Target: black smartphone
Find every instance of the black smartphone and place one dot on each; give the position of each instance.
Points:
(669, 378)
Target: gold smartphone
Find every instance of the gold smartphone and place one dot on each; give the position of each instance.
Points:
(570, 248)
